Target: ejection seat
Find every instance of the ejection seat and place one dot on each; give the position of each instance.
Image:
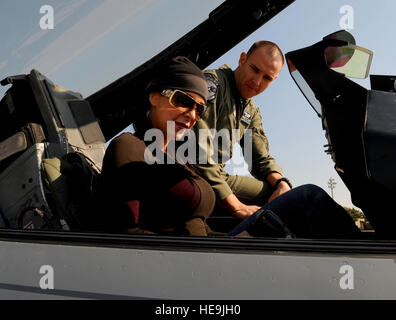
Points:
(51, 150)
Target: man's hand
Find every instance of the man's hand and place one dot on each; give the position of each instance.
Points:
(245, 211)
(238, 209)
(283, 187)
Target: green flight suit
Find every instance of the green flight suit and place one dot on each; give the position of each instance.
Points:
(224, 112)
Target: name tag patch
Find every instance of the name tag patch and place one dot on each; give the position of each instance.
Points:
(247, 117)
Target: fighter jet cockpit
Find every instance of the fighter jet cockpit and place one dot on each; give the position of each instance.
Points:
(103, 54)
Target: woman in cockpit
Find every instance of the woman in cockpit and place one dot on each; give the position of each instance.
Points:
(142, 196)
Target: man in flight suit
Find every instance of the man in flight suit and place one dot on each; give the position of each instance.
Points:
(230, 106)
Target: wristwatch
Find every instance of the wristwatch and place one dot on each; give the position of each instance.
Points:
(275, 186)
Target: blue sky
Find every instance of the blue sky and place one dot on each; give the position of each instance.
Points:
(94, 42)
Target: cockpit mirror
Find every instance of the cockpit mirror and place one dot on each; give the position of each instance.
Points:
(350, 60)
(345, 57)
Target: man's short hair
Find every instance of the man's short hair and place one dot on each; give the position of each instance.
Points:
(272, 49)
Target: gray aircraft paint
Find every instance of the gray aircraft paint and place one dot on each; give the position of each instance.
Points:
(128, 273)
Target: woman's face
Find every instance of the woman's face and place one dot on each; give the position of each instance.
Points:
(178, 120)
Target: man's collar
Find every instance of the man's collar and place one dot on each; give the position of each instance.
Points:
(230, 74)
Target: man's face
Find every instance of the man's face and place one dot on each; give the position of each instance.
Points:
(256, 72)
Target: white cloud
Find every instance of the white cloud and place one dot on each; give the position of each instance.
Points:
(67, 11)
(84, 34)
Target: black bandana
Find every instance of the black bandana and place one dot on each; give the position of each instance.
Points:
(180, 73)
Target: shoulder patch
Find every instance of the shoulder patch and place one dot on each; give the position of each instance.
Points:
(212, 86)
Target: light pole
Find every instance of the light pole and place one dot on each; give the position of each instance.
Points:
(331, 185)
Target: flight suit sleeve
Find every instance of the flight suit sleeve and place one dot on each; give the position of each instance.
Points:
(262, 163)
(213, 173)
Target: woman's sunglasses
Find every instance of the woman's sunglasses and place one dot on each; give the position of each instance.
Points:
(178, 98)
